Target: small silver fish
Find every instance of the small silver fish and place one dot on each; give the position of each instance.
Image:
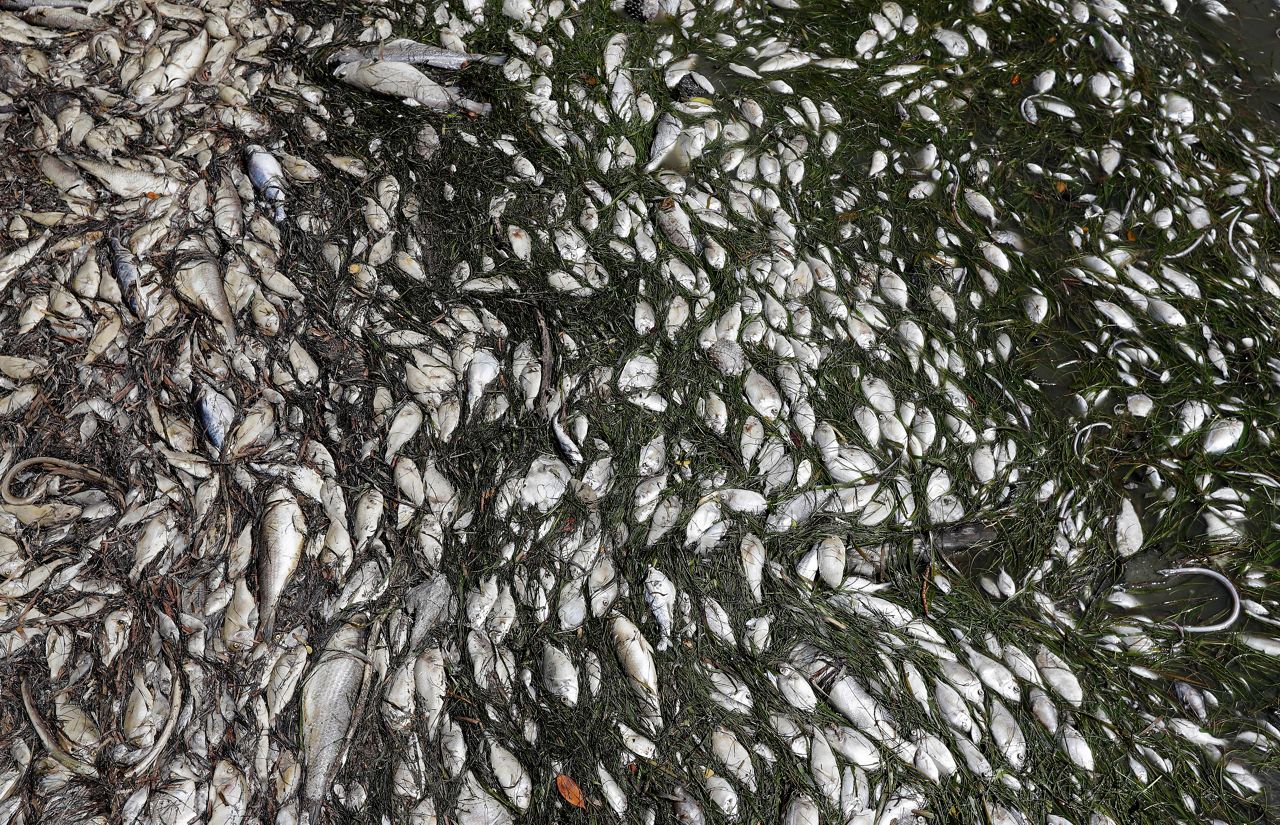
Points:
(267, 177)
(200, 282)
(125, 267)
(660, 594)
(216, 414)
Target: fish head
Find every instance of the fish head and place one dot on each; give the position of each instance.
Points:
(352, 67)
(347, 55)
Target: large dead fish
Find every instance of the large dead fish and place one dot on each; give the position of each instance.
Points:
(407, 83)
(128, 181)
(404, 50)
(331, 696)
(283, 532)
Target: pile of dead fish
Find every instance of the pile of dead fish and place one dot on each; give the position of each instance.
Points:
(685, 421)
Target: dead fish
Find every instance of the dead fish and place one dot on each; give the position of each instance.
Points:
(217, 414)
(282, 534)
(128, 182)
(332, 696)
(267, 177)
(14, 261)
(404, 50)
(200, 282)
(402, 80)
(23, 5)
(125, 267)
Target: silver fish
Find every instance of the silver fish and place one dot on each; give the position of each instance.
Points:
(332, 696)
(660, 595)
(267, 177)
(283, 532)
(404, 50)
(404, 81)
(199, 281)
(125, 267)
(216, 414)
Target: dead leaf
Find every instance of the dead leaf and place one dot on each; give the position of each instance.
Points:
(570, 791)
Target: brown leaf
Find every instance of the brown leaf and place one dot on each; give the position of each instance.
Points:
(570, 791)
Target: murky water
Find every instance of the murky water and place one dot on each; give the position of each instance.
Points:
(1254, 33)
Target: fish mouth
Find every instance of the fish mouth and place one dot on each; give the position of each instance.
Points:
(342, 54)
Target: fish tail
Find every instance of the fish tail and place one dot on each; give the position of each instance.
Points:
(279, 214)
(267, 628)
(494, 59)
